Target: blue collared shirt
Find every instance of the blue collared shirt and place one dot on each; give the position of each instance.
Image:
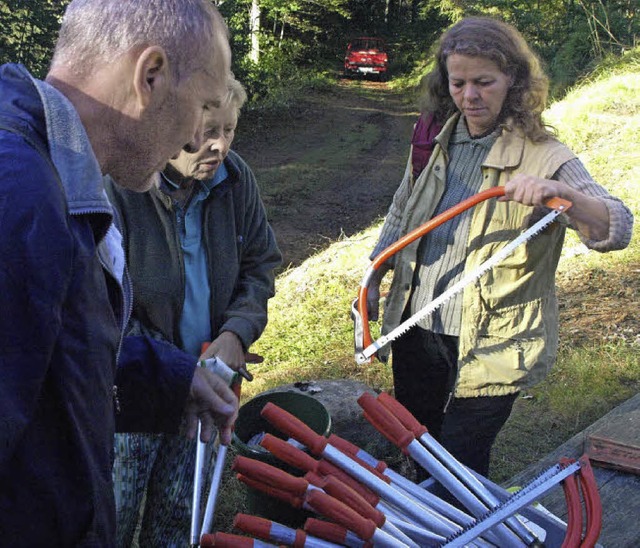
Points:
(195, 322)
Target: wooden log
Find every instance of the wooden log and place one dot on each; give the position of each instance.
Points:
(617, 444)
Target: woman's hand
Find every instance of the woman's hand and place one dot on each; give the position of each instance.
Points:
(373, 292)
(588, 215)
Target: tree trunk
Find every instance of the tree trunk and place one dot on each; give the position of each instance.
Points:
(254, 29)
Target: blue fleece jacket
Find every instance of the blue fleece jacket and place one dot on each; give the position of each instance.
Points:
(64, 301)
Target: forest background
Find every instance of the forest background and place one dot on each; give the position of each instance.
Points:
(282, 47)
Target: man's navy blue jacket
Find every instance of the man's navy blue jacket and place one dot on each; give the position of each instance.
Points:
(62, 313)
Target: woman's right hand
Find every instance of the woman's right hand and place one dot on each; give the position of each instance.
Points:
(373, 292)
(373, 300)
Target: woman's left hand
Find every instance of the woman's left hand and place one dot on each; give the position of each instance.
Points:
(533, 191)
(589, 215)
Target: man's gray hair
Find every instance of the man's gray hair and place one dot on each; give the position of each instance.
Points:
(99, 31)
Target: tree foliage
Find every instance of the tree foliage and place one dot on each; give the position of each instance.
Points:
(29, 29)
(297, 37)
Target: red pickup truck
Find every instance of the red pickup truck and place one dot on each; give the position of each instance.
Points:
(366, 56)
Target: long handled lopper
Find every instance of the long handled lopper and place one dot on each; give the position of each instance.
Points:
(493, 523)
(234, 379)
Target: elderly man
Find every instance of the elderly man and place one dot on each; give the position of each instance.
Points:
(127, 89)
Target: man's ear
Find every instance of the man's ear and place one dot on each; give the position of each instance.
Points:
(151, 78)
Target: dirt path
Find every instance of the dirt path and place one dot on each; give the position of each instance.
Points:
(330, 166)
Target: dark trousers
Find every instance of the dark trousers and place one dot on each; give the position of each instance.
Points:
(424, 375)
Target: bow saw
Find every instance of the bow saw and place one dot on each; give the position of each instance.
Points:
(365, 348)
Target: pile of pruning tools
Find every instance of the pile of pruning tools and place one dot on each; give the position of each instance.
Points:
(361, 502)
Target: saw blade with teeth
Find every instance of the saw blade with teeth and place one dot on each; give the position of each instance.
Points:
(471, 277)
(521, 499)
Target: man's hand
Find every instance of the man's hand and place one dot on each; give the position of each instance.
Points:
(213, 403)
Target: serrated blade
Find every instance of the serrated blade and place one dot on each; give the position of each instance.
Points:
(523, 498)
(471, 277)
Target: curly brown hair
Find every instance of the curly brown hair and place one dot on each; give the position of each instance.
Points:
(504, 45)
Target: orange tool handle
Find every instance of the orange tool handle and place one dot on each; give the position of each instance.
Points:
(330, 531)
(410, 237)
(294, 428)
(269, 475)
(280, 494)
(401, 413)
(354, 500)
(253, 525)
(385, 422)
(592, 503)
(316, 479)
(326, 530)
(326, 468)
(288, 453)
(340, 513)
(226, 540)
(352, 450)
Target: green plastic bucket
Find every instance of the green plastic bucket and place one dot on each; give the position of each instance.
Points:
(250, 425)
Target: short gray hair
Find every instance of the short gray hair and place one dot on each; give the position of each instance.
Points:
(98, 31)
(236, 94)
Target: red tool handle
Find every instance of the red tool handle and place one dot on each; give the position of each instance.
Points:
(316, 479)
(330, 531)
(301, 539)
(262, 528)
(326, 530)
(270, 475)
(253, 525)
(226, 540)
(402, 414)
(350, 449)
(384, 421)
(410, 237)
(574, 510)
(294, 428)
(326, 468)
(288, 453)
(354, 500)
(280, 494)
(592, 503)
(340, 513)
(379, 428)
